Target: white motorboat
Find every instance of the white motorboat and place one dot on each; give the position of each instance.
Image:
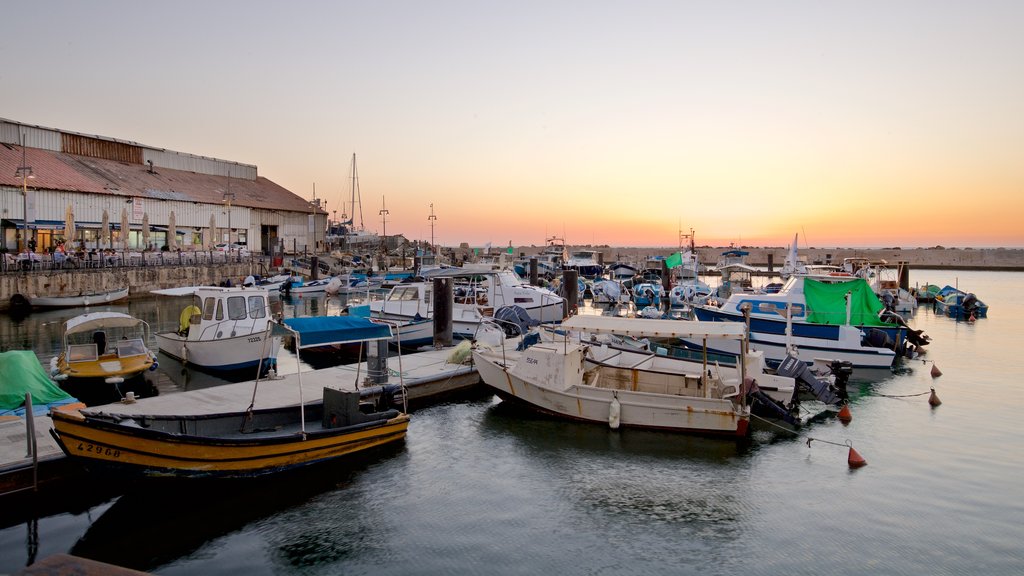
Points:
(571, 377)
(477, 294)
(80, 299)
(222, 329)
(586, 262)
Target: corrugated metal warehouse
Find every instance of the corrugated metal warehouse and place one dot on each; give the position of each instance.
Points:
(83, 176)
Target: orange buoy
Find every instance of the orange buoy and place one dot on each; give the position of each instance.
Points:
(934, 399)
(855, 460)
(935, 371)
(844, 414)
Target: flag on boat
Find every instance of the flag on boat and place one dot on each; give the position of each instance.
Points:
(674, 260)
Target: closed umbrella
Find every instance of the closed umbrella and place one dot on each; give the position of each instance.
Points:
(69, 226)
(172, 233)
(104, 229)
(124, 228)
(210, 238)
(145, 231)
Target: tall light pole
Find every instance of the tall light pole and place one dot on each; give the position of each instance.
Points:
(24, 172)
(432, 219)
(384, 217)
(228, 197)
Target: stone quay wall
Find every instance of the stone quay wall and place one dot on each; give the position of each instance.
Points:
(140, 280)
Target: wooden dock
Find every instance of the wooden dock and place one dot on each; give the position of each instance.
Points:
(427, 376)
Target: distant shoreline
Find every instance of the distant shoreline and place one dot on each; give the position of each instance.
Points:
(991, 259)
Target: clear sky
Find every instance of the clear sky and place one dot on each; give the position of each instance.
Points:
(873, 123)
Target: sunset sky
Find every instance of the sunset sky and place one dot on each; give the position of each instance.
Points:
(872, 123)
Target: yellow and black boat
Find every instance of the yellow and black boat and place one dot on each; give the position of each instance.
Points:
(241, 443)
(229, 445)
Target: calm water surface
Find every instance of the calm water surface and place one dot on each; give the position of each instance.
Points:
(481, 487)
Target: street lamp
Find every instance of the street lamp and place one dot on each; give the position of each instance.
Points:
(384, 217)
(25, 173)
(228, 197)
(432, 219)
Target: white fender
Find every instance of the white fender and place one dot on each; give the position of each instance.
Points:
(613, 413)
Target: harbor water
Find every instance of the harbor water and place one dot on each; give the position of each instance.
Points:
(483, 487)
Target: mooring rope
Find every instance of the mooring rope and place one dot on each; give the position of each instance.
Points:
(810, 439)
(905, 395)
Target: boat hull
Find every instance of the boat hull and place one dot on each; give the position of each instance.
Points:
(225, 354)
(79, 300)
(594, 403)
(154, 453)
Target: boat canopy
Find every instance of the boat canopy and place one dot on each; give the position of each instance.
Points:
(100, 321)
(182, 291)
(326, 330)
(654, 328)
(826, 303)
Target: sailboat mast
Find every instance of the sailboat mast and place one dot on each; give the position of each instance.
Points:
(356, 196)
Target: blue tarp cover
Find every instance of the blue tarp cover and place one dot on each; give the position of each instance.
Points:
(324, 330)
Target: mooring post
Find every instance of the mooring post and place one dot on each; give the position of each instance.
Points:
(443, 304)
(570, 282)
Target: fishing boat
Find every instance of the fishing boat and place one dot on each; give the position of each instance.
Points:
(222, 329)
(243, 442)
(832, 317)
(578, 379)
(956, 303)
(586, 262)
(647, 294)
(79, 299)
(107, 347)
(884, 280)
(298, 286)
(477, 294)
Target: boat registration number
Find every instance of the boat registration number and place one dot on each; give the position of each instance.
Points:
(98, 450)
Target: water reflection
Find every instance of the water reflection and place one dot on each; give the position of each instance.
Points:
(159, 522)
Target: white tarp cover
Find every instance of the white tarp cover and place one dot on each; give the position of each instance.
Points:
(650, 328)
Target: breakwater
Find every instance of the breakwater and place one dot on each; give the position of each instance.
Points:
(1008, 259)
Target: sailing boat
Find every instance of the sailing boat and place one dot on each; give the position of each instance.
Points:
(352, 237)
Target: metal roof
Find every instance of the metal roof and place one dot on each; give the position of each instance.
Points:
(68, 172)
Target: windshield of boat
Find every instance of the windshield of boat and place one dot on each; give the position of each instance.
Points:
(405, 293)
(82, 353)
(133, 347)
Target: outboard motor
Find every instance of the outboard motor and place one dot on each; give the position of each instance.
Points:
(878, 339)
(970, 303)
(841, 371)
(822, 389)
(763, 405)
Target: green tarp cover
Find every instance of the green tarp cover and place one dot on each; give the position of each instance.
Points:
(826, 303)
(21, 372)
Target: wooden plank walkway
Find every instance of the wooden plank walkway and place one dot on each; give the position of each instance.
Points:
(425, 374)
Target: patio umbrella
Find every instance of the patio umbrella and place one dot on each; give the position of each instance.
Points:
(124, 228)
(145, 231)
(211, 237)
(69, 226)
(104, 228)
(172, 233)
